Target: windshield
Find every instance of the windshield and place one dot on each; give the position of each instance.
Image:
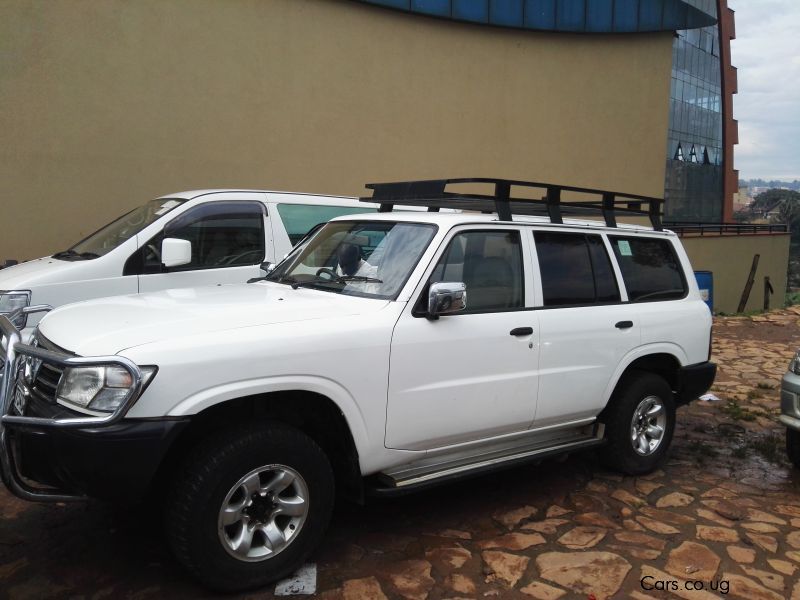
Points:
(112, 235)
(361, 258)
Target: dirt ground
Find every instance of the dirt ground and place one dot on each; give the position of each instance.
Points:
(722, 515)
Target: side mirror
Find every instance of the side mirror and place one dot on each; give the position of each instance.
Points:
(175, 252)
(445, 298)
(267, 267)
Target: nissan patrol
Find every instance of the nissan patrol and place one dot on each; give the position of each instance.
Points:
(386, 353)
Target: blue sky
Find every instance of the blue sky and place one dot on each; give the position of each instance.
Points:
(766, 53)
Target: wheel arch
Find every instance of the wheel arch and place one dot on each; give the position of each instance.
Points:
(664, 360)
(315, 414)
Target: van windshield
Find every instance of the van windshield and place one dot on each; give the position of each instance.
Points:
(120, 230)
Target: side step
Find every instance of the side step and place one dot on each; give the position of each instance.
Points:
(432, 471)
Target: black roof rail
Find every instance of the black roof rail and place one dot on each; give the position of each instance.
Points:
(431, 193)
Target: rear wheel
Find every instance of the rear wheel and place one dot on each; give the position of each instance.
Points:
(249, 506)
(640, 421)
(793, 446)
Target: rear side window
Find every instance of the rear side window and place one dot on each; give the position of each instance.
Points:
(298, 219)
(650, 269)
(575, 269)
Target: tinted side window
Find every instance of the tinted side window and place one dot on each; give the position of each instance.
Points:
(223, 234)
(650, 269)
(604, 279)
(490, 264)
(298, 219)
(575, 269)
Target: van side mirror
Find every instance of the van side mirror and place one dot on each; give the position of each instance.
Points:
(445, 298)
(175, 252)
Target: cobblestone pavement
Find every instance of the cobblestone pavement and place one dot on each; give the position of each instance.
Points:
(724, 514)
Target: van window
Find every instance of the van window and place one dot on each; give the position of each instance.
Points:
(298, 219)
(223, 234)
(650, 269)
(575, 269)
(121, 230)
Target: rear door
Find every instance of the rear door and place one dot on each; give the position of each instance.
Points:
(585, 328)
(469, 375)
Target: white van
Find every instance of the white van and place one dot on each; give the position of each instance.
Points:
(201, 237)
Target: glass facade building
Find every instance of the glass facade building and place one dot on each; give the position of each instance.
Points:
(693, 189)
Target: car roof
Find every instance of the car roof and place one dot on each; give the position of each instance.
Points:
(289, 196)
(453, 219)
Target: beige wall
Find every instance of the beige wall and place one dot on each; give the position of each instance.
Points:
(729, 258)
(104, 105)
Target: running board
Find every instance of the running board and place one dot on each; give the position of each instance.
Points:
(434, 471)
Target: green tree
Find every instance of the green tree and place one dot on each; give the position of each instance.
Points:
(778, 206)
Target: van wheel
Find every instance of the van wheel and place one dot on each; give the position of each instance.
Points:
(640, 421)
(793, 446)
(249, 505)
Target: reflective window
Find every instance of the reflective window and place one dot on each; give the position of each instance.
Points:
(693, 183)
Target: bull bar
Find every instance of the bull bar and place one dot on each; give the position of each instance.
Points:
(12, 387)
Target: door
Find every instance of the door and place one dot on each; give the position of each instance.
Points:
(470, 375)
(585, 329)
(228, 246)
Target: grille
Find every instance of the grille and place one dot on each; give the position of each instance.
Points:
(46, 382)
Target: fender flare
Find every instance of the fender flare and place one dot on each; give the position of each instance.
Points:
(337, 394)
(673, 350)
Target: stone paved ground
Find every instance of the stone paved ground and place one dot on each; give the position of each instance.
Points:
(724, 512)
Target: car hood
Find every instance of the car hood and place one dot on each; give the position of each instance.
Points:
(35, 272)
(110, 325)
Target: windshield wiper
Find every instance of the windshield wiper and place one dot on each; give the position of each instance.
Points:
(72, 254)
(339, 279)
(271, 277)
(346, 278)
(65, 254)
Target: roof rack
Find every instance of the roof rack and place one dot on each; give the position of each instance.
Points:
(431, 193)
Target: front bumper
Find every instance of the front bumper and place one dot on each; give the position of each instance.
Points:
(115, 463)
(72, 454)
(694, 381)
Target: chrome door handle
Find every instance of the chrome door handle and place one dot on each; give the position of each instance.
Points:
(520, 331)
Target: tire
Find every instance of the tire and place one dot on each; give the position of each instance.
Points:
(793, 446)
(637, 443)
(267, 483)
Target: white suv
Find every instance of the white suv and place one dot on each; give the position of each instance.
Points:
(386, 353)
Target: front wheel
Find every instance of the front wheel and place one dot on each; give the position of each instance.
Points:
(640, 421)
(793, 446)
(249, 506)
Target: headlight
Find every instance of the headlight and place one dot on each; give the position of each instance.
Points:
(98, 388)
(10, 301)
(794, 366)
